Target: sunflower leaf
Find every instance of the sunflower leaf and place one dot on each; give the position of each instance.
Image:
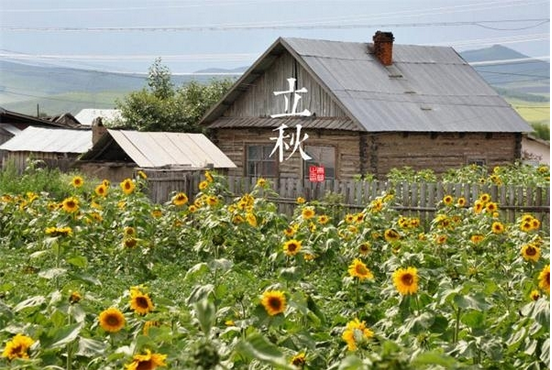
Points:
(52, 273)
(91, 348)
(258, 347)
(205, 312)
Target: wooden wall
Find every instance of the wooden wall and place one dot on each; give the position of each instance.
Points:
(63, 161)
(377, 153)
(259, 100)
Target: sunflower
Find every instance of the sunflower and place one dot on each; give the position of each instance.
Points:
(525, 226)
(440, 239)
(128, 186)
(149, 324)
(139, 302)
(180, 199)
(130, 242)
(414, 222)
(356, 331)
(530, 252)
(359, 217)
(323, 219)
(461, 202)
(59, 231)
(237, 219)
(209, 176)
(112, 320)
(358, 269)
(149, 361)
(261, 182)
(478, 206)
(142, 175)
(491, 207)
(376, 206)
(391, 235)
(18, 347)
(77, 182)
(544, 279)
(299, 360)
(212, 200)
(301, 200)
(497, 227)
(535, 224)
(364, 248)
(290, 231)
(307, 213)
(157, 213)
(477, 238)
(534, 295)
(448, 200)
(292, 247)
(203, 185)
(349, 218)
(75, 297)
(406, 280)
(129, 231)
(251, 219)
(484, 198)
(192, 208)
(70, 204)
(274, 302)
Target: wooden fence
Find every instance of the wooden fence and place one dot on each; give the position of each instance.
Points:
(410, 199)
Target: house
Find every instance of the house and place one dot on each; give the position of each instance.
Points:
(347, 108)
(116, 154)
(88, 115)
(55, 147)
(535, 151)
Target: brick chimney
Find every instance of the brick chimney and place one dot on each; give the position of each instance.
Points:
(383, 47)
(98, 129)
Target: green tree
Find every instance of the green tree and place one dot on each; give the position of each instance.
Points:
(163, 107)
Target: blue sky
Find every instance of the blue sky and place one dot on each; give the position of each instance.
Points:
(189, 35)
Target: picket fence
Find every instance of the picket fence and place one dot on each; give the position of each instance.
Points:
(410, 199)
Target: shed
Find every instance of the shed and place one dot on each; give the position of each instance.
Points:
(118, 153)
(361, 108)
(56, 147)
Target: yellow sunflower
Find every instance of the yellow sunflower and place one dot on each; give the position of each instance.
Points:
(299, 360)
(130, 242)
(530, 252)
(461, 202)
(139, 302)
(112, 320)
(491, 207)
(149, 361)
(142, 175)
(448, 200)
(274, 302)
(150, 324)
(391, 235)
(359, 217)
(406, 280)
(440, 239)
(180, 199)
(358, 269)
(129, 231)
(212, 200)
(70, 204)
(128, 186)
(376, 206)
(251, 219)
(18, 347)
(209, 176)
(59, 231)
(75, 297)
(292, 247)
(261, 182)
(355, 332)
(535, 224)
(349, 218)
(364, 248)
(478, 206)
(307, 213)
(301, 200)
(544, 279)
(497, 227)
(203, 185)
(525, 226)
(485, 198)
(290, 231)
(323, 219)
(77, 182)
(534, 295)
(477, 238)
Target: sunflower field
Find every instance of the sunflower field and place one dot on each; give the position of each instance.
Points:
(98, 277)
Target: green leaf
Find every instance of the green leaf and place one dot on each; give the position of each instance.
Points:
(31, 302)
(258, 347)
(52, 273)
(290, 273)
(476, 302)
(545, 351)
(473, 319)
(200, 292)
(91, 348)
(434, 358)
(351, 362)
(205, 312)
(78, 261)
(86, 278)
(65, 335)
(221, 264)
(198, 269)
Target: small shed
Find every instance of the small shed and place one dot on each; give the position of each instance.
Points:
(56, 147)
(535, 150)
(118, 153)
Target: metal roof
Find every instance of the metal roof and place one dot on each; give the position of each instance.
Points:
(427, 88)
(169, 149)
(49, 140)
(334, 123)
(86, 116)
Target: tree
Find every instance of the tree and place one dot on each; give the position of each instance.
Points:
(162, 107)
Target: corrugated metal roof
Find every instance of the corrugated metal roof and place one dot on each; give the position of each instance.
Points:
(427, 88)
(49, 140)
(166, 149)
(10, 128)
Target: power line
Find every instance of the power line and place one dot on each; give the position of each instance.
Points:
(242, 27)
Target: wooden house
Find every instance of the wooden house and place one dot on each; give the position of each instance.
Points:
(361, 108)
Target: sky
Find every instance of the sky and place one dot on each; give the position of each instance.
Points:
(191, 35)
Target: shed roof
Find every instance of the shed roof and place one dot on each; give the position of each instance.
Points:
(427, 88)
(49, 140)
(163, 149)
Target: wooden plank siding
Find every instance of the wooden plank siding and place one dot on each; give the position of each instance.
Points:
(259, 99)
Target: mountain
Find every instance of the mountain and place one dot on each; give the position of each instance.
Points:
(58, 90)
(505, 68)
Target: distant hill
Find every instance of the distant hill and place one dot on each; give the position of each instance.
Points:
(59, 90)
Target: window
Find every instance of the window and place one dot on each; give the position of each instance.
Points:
(321, 156)
(258, 162)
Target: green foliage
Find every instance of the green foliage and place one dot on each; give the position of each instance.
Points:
(207, 263)
(542, 130)
(162, 107)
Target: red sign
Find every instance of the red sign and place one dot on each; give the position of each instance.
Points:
(316, 173)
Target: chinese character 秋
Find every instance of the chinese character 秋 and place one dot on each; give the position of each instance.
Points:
(294, 141)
